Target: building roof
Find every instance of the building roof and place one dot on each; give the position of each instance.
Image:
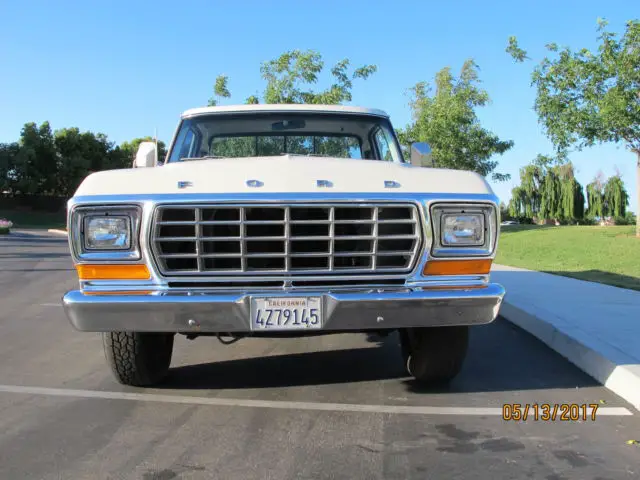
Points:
(283, 108)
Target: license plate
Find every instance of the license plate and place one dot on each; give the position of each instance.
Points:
(288, 313)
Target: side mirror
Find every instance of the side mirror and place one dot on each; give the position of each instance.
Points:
(146, 155)
(421, 155)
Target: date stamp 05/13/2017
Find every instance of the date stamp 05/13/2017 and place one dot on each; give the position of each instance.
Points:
(549, 412)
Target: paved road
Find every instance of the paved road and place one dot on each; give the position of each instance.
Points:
(281, 409)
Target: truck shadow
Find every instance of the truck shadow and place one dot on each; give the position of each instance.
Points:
(288, 370)
(501, 358)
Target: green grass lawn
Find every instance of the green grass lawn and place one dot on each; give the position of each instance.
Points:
(34, 219)
(609, 255)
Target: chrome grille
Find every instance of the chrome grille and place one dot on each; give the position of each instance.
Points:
(289, 239)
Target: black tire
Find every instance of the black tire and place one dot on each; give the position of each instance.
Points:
(434, 355)
(138, 359)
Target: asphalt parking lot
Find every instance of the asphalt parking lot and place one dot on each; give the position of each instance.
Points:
(324, 407)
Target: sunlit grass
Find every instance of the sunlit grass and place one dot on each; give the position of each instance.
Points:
(609, 255)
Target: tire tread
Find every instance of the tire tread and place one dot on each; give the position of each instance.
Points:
(435, 355)
(138, 359)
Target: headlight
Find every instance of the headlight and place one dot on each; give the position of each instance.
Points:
(107, 233)
(462, 230)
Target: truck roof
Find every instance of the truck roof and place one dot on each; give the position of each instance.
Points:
(277, 108)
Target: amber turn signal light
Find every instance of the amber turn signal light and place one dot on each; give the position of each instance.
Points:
(458, 267)
(113, 272)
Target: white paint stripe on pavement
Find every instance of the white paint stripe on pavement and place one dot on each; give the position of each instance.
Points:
(50, 304)
(284, 405)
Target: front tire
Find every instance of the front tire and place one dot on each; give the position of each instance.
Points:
(434, 355)
(138, 359)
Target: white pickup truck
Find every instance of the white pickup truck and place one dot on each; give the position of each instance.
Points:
(283, 221)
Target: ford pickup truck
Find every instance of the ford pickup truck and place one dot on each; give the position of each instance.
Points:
(282, 221)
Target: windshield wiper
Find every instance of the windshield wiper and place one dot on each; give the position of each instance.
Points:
(307, 154)
(188, 159)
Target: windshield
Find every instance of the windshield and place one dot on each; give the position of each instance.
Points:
(257, 135)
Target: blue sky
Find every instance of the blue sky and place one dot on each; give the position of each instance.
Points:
(125, 68)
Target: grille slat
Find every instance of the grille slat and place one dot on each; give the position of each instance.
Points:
(285, 239)
(375, 239)
(287, 244)
(179, 239)
(243, 245)
(160, 224)
(332, 231)
(264, 222)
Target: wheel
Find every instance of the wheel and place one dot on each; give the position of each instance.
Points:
(138, 359)
(434, 355)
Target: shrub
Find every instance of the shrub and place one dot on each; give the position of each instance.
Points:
(628, 219)
(5, 226)
(588, 221)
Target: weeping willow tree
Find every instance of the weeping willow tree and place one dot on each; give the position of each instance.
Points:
(616, 198)
(572, 207)
(548, 190)
(595, 200)
(551, 195)
(561, 195)
(518, 202)
(525, 199)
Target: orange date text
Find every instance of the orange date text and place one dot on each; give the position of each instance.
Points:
(549, 412)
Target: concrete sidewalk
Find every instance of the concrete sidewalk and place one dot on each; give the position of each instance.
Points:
(595, 326)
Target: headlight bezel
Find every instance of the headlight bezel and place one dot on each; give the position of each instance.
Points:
(486, 248)
(77, 228)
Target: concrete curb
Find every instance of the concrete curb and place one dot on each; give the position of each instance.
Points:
(57, 231)
(621, 379)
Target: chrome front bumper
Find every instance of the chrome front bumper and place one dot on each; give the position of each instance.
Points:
(206, 311)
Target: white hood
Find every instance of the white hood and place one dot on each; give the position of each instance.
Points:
(287, 173)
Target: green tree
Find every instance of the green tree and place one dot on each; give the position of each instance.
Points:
(82, 153)
(572, 207)
(551, 195)
(595, 197)
(220, 89)
(43, 162)
(35, 163)
(73, 160)
(504, 211)
(585, 98)
(616, 198)
(445, 117)
(548, 190)
(290, 77)
(129, 149)
(517, 202)
(570, 200)
(525, 198)
(8, 157)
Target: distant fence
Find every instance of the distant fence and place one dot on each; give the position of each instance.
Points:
(40, 203)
